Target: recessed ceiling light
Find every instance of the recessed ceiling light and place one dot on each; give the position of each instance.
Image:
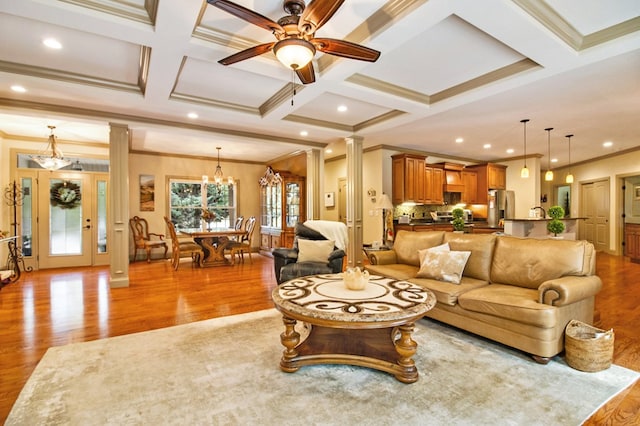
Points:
(192, 115)
(607, 144)
(304, 133)
(18, 88)
(486, 146)
(554, 160)
(510, 151)
(342, 108)
(459, 140)
(328, 150)
(52, 43)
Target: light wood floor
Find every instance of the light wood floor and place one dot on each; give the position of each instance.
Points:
(57, 307)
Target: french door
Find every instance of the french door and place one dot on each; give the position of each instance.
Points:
(64, 218)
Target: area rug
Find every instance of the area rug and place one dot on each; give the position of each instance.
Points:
(225, 372)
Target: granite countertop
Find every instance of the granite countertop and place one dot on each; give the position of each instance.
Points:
(540, 219)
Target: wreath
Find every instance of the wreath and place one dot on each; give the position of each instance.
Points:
(65, 195)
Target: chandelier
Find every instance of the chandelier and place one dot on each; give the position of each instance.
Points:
(51, 158)
(270, 177)
(218, 175)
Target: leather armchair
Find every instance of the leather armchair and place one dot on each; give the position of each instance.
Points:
(286, 263)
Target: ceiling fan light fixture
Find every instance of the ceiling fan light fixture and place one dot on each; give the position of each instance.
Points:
(294, 53)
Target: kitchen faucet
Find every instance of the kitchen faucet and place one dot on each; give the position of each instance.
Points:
(544, 212)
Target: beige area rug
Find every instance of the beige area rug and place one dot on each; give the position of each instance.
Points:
(225, 372)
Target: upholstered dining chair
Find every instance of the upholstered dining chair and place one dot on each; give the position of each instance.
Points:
(244, 244)
(145, 240)
(184, 247)
(237, 226)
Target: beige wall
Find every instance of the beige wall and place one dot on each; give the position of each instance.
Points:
(162, 167)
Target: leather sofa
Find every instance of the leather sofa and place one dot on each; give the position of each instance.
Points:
(516, 291)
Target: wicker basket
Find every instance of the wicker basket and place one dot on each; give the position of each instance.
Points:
(588, 348)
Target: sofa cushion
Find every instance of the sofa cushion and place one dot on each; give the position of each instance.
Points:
(443, 265)
(528, 262)
(407, 244)
(448, 293)
(314, 251)
(481, 247)
(510, 302)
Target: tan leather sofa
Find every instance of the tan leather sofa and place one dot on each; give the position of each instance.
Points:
(516, 291)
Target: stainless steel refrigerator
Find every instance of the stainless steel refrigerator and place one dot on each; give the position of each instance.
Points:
(502, 205)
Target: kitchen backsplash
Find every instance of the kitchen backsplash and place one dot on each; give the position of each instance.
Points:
(420, 211)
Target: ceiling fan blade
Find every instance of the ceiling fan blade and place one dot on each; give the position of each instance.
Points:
(345, 49)
(247, 15)
(306, 74)
(316, 14)
(247, 53)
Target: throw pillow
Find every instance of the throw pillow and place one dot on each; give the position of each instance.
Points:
(441, 247)
(314, 251)
(444, 265)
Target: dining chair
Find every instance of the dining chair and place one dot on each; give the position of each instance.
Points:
(237, 227)
(184, 247)
(239, 247)
(145, 240)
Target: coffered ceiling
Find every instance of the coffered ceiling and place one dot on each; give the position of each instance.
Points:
(448, 69)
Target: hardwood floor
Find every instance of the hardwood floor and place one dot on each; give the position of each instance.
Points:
(57, 307)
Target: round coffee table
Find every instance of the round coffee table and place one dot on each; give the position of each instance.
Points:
(369, 328)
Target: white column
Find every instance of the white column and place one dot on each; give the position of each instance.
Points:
(315, 183)
(354, 200)
(119, 205)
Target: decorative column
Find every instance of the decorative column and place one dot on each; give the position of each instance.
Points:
(119, 204)
(315, 183)
(354, 200)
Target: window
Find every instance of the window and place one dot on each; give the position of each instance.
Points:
(188, 198)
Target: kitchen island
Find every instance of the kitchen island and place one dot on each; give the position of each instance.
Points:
(537, 227)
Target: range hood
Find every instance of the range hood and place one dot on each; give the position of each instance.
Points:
(453, 177)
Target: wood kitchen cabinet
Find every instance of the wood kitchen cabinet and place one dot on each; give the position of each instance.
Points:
(470, 183)
(408, 178)
(433, 183)
(489, 176)
(632, 241)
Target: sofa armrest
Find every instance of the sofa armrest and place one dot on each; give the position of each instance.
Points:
(569, 289)
(285, 253)
(337, 254)
(384, 257)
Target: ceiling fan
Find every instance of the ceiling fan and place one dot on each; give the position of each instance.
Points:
(295, 33)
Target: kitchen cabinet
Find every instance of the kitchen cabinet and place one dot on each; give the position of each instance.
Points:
(282, 205)
(470, 183)
(433, 183)
(408, 178)
(632, 241)
(489, 176)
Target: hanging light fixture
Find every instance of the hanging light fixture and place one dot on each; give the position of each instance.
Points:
(270, 177)
(55, 159)
(569, 178)
(294, 53)
(218, 175)
(549, 175)
(524, 172)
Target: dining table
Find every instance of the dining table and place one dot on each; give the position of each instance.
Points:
(214, 242)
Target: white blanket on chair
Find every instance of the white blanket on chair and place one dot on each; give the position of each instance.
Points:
(336, 231)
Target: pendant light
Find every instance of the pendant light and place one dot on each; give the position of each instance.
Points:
(524, 172)
(549, 175)
(52, 157)
(218, 176)
(569, 178)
